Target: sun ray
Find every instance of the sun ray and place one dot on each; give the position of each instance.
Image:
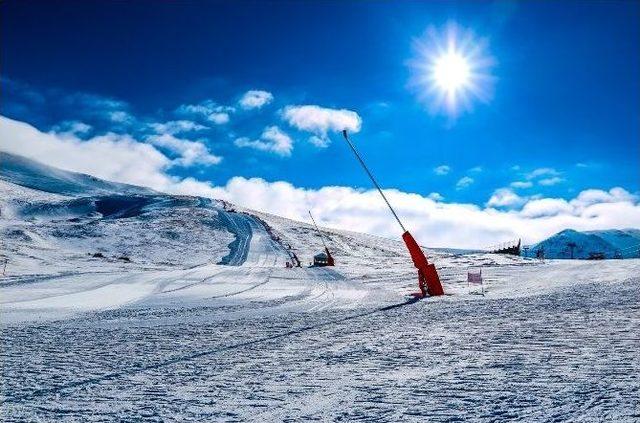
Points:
(451, 69)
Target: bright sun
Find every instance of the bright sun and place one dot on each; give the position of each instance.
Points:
(451, 69)
(451, 72)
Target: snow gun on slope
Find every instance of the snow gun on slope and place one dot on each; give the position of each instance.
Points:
(428, 279)
(330, 261)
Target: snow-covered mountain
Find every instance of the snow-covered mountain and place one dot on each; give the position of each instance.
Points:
(57, 220)
(613, 243)
(124, 304)
(31, 174)
(627, 241)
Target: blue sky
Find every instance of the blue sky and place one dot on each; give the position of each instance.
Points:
(563, 114)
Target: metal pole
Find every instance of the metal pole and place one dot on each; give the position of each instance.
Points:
(353, 148)
(317, 229)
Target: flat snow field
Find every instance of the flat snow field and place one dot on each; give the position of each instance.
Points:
(558, 341)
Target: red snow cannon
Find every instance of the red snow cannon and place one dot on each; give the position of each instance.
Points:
(428, 279)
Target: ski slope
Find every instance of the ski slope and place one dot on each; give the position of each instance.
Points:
(205, 323)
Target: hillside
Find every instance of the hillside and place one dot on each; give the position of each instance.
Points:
(143, 303)
(613, 243)
(29, 173)
(55, 220)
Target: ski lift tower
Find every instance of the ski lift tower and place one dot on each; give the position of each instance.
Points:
(428, 279)
(330, 260)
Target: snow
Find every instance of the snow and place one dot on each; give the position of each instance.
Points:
(625, 242)
(31, 174)
(175, 335)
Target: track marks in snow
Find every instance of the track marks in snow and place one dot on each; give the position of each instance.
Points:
(139, 368)
(240, 225)
(251, 288)
(191, 285)
(564, 354)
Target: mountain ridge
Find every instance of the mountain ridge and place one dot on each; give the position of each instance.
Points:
(612, 243)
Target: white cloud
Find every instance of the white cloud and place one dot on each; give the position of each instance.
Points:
(72, 127)
(255, 99)
(273, 139)
(123, 159)
(219, 118)
(174, 127)
(546, 207)
(435, 196)
(543, 171)
(120, 116)
(190, 152)
(441, 170)
(550, 181)
(464, 182)
(319, 142)
(207, 109)
(321, 120)
(476, 169)
(521, 184)
(545, 176)
(505, 197)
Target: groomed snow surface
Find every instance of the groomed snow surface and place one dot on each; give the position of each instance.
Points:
(171, 334)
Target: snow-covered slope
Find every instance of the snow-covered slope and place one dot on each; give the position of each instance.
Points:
(205, 323)
(613, 243)
(625, 241)
(371, 259)
(55, 221)
(31, 174)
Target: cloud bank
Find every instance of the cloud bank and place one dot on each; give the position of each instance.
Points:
(115, 157)
(435, 223)
(174, 127)
(122, 158)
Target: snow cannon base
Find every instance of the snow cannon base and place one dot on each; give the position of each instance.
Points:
(428, 279)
